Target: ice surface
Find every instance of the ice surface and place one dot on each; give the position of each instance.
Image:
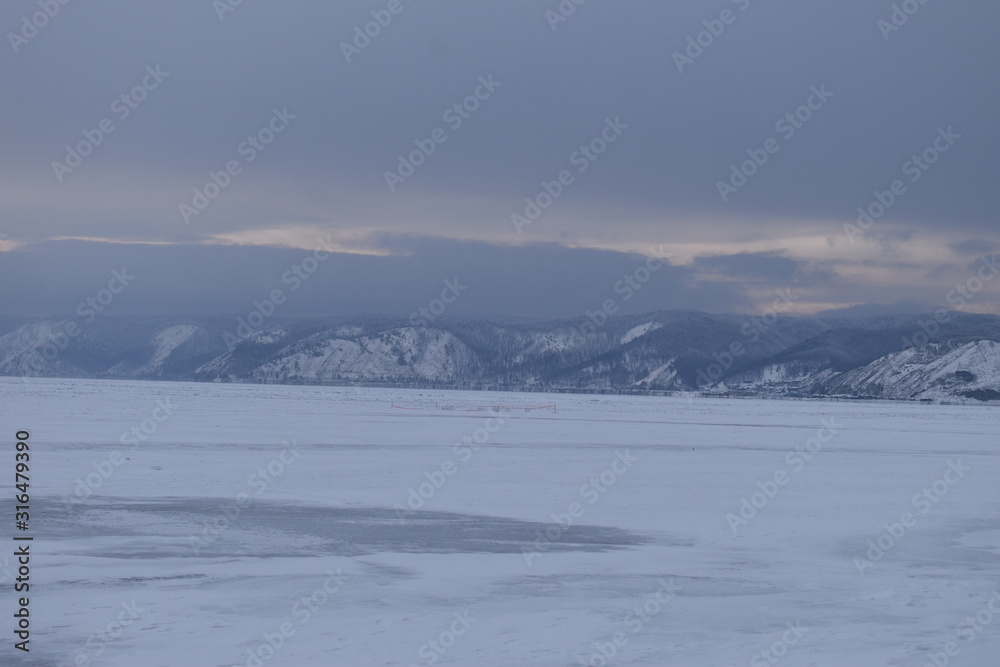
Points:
(485, 545)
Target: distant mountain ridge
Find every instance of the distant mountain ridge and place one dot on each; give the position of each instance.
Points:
(667, 351)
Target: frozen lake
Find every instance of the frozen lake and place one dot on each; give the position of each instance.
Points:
(197, 524)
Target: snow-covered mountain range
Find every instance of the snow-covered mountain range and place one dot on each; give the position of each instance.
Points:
(891, 357)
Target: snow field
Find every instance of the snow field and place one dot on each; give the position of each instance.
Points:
(594, 535)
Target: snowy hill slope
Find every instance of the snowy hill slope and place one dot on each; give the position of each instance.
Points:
(934, 372)
(398, 354)
(658, 352)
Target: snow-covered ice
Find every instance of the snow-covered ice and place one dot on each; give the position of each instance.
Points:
(228, 516)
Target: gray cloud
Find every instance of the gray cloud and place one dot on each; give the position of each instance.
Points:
(977, 247)
(656, 184)
(538, 280)
(769, 267)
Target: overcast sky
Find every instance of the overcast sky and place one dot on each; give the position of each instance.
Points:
(669, 118)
